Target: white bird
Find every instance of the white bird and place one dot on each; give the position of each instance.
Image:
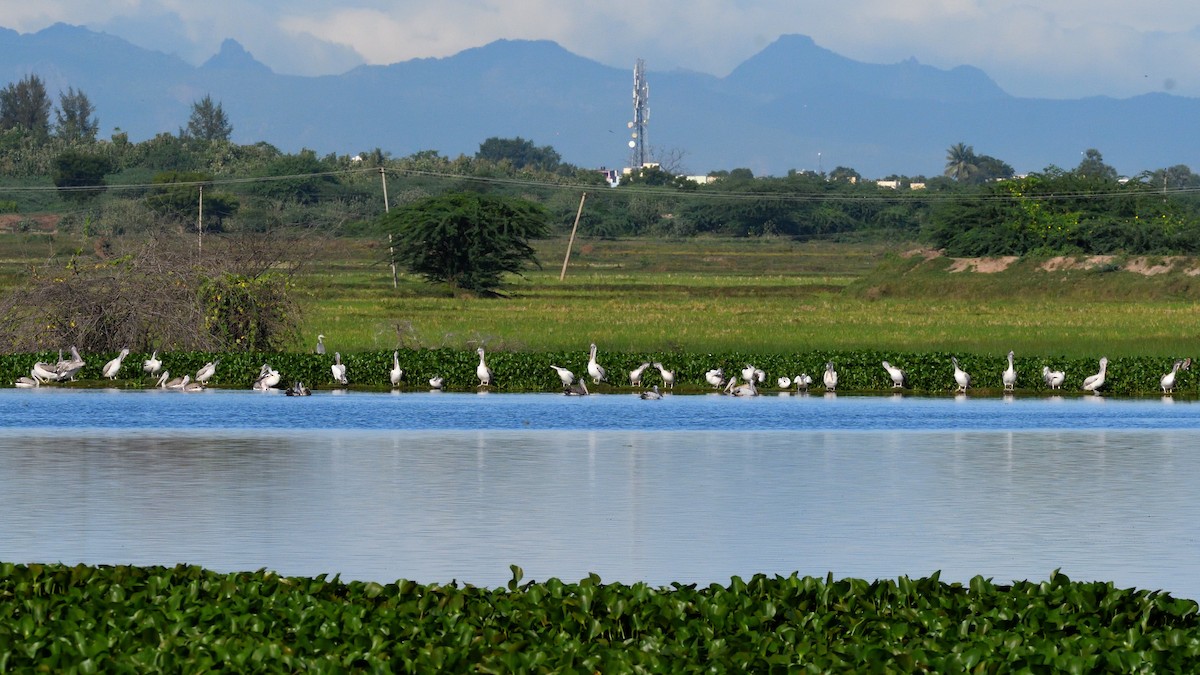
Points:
(668, 377)
(748, 373)
(1054, 378)
(1168, 381)
(1009, 378)
(715, 377)
(396, 373)
(830, 378)
(44, 372)
(339, 370)
(784, 382)
(566, 376)
(320, 344)
(896, 374)
(485, 374)
(960, 376)
(68, 369)
(165, 382)
(192, 386)
(180, 382)
(635, 375)
(760, 375)
(747, 389)
(437, 382)
(153, 364)
(595, 369)
(112, 368)
(802, 381)
(577, 388)
(207, 371)
(268, 377)
(24, 382)
(1093, 382)
(652, 394)
(298, 389)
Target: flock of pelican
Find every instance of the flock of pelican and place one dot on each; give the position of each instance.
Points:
(752, 379)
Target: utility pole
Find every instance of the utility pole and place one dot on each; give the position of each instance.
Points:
(387, 209)
(571, 242)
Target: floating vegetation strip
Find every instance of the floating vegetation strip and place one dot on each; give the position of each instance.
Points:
(58, 618)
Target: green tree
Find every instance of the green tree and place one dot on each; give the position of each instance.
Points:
(178, 200)
(80, 175)
(25, 105)
(300, 178)
(1092, 166)
(74, 118)
(467, 240)
(521, 153)
(960, 162)
(208, 122)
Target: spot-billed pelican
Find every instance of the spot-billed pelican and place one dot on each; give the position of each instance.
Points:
(1167, 382)
(896, 374)
(67, 370)
(747, 389)
(482, 371)
(802, 381)
(152, 365)
(25, 382)
(651, 394)
(339, 370)
(192, 386)
(268, 377)
(748, 373)
(1093, 382)
(44, 372)
(595, 369)
(207, 371)
(298, 389)
(112, 368)
(784, 382)
(635, 375)
(830, 378)
(960, 376)
(437, 382)
(577, 388)
(396, 373)
(668, 377)
(1054, 378)
(180, 382)
(1009, 378)
(715, 377)
(566, 376)
(321, 344)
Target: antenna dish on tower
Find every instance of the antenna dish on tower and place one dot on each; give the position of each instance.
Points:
(641, 115)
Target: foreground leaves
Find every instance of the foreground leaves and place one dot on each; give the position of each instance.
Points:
(187, 619)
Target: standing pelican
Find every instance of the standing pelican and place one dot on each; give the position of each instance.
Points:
(748, 373)
(268, 377)
(1009, 378)
(153, 364)
(112, 368)
(566, 376)
(396, 372)
(651, 394)
(44, 372)
(595, 369)
(67, 370)
(1168, 381)
(896, 374)
(207, 371)
(339, 370)
(1054, 378)
(668, 377)
(830, 378)
(802, 381)
(1094, 382)
(437, 382)
(960, 376)
(715, 377)
(485, 374)
(635, 375)
(321, 344)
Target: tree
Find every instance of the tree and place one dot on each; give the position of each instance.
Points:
(467, 240)
(178, 200)
(208, 122)
(80, 175)
(522, 154)
(25, 105)
(960, 162)
(75, 119)
(989, 168)
(1092, 166)
(298, 178)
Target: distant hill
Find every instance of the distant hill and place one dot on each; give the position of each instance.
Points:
(774, 112)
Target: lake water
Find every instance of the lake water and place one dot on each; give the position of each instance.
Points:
(442, 486)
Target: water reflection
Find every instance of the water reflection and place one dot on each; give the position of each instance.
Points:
(690, 506)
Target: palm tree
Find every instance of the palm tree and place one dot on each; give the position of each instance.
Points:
(960, 161)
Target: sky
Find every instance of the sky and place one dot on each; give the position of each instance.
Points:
(1047, 49)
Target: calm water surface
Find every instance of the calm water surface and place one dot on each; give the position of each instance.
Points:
(435, 487)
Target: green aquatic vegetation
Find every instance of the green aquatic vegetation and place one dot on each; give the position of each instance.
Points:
(187, 619)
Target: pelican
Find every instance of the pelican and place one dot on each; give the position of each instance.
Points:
(192, 386)
(67, 370)
(651, 394)
(784, 382)
(635, 375)
(45, 372)
(715, 377)
(298, 389)
(830, 378)
(113, 367)
(162, 379)
(748, 373)
(321, 344)
(153, 364)
(180, 382)
(1094, 382)
(268, 377)
(1054, 378)
(668, 377)
(396, 372)
(567, 377)
(339, 370)
(577, 388)
(960, 376)
(1010, 376)
(1168, 381)
(896, 374)
(437, 382)
(24, 382)
(207, 371)
(747, 389)
(485, 374)
(595, 369)
(802, 381)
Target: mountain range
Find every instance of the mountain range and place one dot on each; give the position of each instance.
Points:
(793, 105)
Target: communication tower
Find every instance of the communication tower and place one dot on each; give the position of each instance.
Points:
(641, 116)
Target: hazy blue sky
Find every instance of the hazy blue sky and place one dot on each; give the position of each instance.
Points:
(1051, 48)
